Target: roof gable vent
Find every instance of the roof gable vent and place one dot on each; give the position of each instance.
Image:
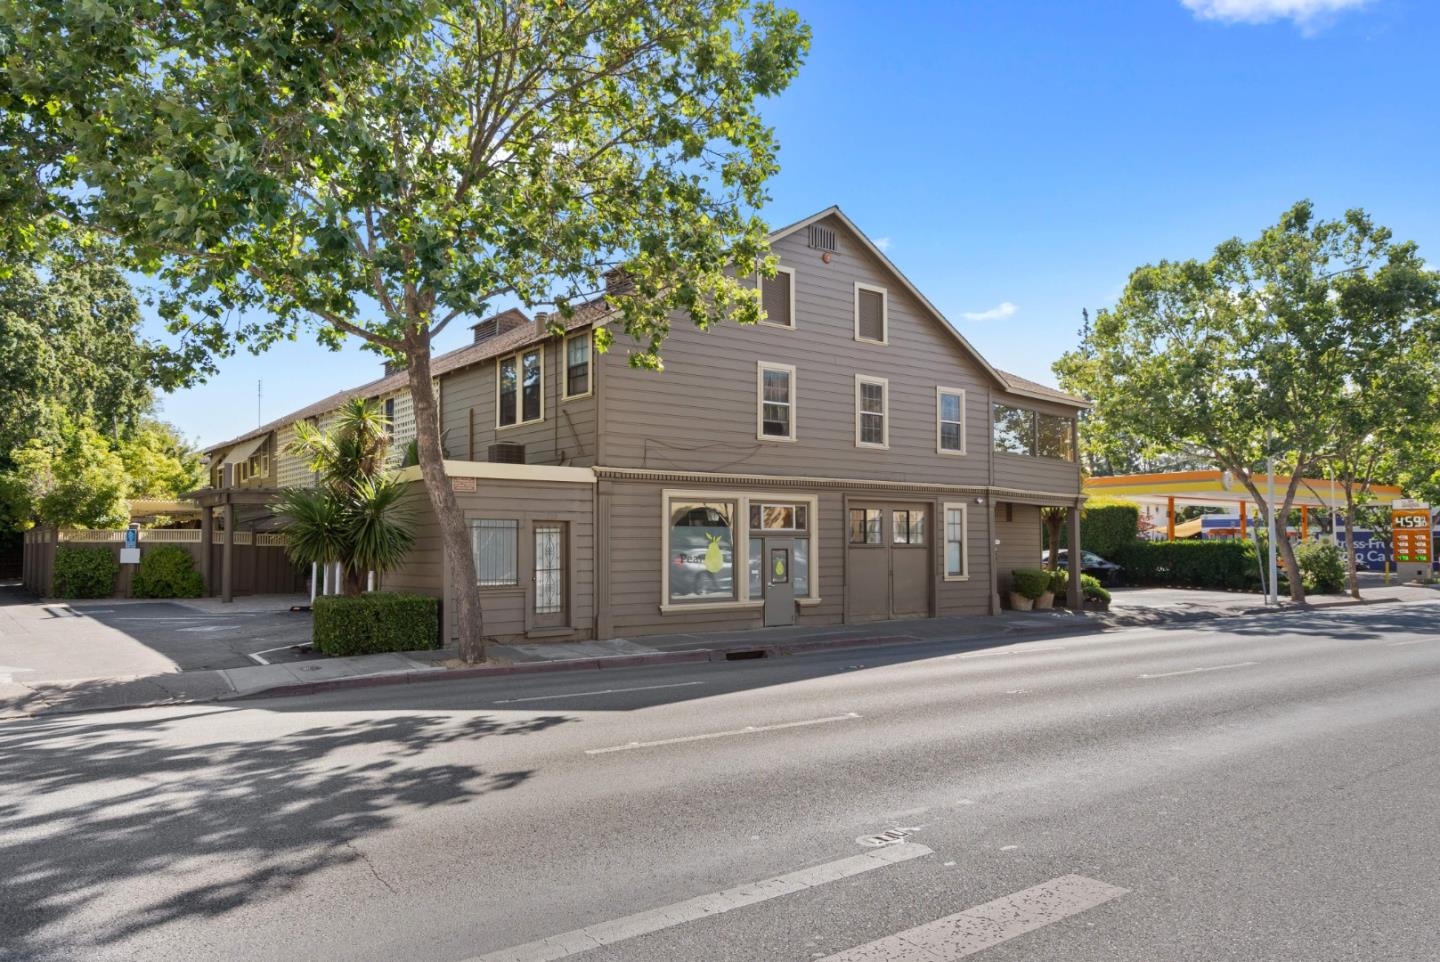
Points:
(823, 239)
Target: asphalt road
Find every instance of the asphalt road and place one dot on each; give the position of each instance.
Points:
(1254, 789)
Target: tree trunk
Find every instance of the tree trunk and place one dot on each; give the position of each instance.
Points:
(1054, 522)
(1350, 543)
(1282, 539)
(454, 537)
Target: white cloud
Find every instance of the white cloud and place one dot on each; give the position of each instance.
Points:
(1306, 14)
(883, 243)
(996, 313)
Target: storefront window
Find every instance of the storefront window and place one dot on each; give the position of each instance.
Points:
(701, 551)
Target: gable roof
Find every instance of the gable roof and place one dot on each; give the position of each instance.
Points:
(471, 354)
(1010, 382)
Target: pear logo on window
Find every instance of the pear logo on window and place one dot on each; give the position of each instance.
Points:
(779, 567)
(714, 561)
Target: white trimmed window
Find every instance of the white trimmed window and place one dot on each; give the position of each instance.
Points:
(957, 536)
(950, 420)
(775, 402)
(872, 314)
(777, 297)
(577, 366)
(872, 412)
(520, 388)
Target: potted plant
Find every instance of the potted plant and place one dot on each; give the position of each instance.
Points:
(1096, 597)
(1059, 584)
(1027, 586)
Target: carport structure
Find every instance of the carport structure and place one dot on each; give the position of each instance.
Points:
(231, 502)
(1173, 489)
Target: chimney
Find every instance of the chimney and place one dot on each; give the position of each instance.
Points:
(542, 323)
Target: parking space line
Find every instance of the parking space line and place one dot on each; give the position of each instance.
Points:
(984, 926)
(704, 906)
(748, 730)
(1191, 671)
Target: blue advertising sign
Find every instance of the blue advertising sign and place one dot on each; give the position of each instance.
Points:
(1371, 551)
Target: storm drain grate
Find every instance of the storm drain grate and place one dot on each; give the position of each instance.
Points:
(891, 836)
(745, 654)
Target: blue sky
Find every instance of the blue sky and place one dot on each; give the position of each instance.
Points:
(1018, 159)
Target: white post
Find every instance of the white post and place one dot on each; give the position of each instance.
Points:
(314, 576)
(370, 585)
(325, 582)
(336, 585)
(1270, 497)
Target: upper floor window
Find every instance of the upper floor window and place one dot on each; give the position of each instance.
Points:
(1014, 430)
(777, 296)
(577, 366)
(390, 417)
(775, 402)
(872, 314)
(519, 389)
(872, 412)
(950, 420)
(1023, 431)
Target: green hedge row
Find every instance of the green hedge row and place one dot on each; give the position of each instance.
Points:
(1106, 526)
(84, 572)
(166, 571)
(376, 622)
(1189, 564)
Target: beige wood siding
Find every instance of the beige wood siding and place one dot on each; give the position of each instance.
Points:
(565, 437)
(699, 413)
(1019, 541)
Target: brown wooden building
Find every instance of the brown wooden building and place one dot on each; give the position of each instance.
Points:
(851, 459)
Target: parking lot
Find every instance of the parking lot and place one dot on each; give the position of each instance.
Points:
(61, 641)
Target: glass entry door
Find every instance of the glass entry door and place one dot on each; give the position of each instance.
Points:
(550, 590)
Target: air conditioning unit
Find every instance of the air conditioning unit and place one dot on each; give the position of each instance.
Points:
(507, 452)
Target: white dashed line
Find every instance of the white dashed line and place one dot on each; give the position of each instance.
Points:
(748, 730)
(988, 925)
(1191, 671)
(602, 691)
(643, 923)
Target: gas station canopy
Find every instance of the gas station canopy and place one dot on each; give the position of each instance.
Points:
(1218, 489)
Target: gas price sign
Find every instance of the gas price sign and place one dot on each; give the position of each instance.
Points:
(1412, 535)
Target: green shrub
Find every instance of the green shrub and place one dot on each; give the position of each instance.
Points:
(85, 572)
(1107, 525)
(1059, 581)
(375, 622)
(1030, 582)
(1189, 564)
(1322, 566)
(1093, 590)
(166, 571)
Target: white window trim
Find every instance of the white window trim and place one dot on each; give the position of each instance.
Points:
(885, 414)
(565, 373)
(740, 536)
(519, 358)
(760, 368)
(759, 285)
(884, 313)
(944, 527)
(940, 448)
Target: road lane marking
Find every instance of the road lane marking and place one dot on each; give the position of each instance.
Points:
(751, 893)
(1416, 641)
(747, 730)
(602, 691)
(1191, 671)
(1007, 651)
(988, 925)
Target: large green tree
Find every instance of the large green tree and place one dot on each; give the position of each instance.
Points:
(1259, 350)
(378, 168)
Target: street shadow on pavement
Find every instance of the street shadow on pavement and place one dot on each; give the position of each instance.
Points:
(91, 806)
(1337, 623)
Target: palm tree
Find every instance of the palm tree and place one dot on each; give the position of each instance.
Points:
(356, 514)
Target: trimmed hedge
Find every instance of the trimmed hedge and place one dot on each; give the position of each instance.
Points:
(166, 571)
(1189, 564)
(85, 572)
(1093, 590)
(375, 622)
(1106, 526)
(1030, 582)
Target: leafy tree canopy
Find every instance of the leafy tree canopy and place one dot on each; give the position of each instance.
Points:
(71, 479)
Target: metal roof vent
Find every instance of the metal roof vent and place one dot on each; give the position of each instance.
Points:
(823, 239)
